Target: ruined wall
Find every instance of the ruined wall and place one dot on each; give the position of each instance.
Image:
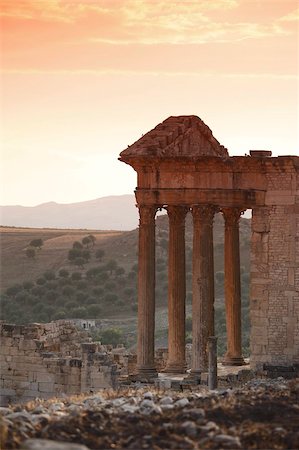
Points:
(274, 304)
(44, 360)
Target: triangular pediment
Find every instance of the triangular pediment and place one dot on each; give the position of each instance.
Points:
(177, 136)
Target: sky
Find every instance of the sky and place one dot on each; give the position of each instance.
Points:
(81, 80)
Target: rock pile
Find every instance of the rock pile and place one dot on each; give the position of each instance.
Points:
(263, 414)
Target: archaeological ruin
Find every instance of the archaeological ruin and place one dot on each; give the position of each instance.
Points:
(181, 167)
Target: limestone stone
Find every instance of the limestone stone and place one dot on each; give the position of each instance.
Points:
(179, 165)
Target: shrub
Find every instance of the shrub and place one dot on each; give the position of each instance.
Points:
(53, 284)
(77, 245)
(39, 291)
(41, 280)
(13, 290)
(98, 291)
(71, 305)
(30, 252)
(79, 262)
(111, 298)
(49, 275)
(68, 291)
(51, 295)
(110, 286)
(79, 313)
(60, 314)
(100, 254)
(76, 276)
(63, 273)
(112, 336)
(82, 284)
(74, 253)
(38, 243)
(94, 310)
(28, 285)
(119, 271)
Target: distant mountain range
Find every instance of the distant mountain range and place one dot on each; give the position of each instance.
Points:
(116, 212)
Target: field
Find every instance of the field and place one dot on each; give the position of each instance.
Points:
(16, 267)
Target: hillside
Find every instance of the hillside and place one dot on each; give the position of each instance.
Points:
(50, 287)
(121, 246)
(116, 212)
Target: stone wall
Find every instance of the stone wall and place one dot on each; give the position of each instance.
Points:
(45, 360)
(275, 273)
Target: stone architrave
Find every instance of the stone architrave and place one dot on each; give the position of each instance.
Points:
(146, 291)
(176, 290)
(232, 286)
(202, 285)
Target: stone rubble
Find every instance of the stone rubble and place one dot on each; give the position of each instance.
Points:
(262, 414)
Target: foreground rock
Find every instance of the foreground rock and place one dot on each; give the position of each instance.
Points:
(263, 414)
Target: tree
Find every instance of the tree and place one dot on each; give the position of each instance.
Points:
(112, 336)
(111, 266)
(28, 285)
(77, 245)
(94, 310)
(79, 262)
(86, 241)
(76, 276)
(63, 273)
(119, 271)
(74, 253)
(92, 239)
(37, 243)
(100, 254)
(86, 255)
(30, 253)
(50, 275)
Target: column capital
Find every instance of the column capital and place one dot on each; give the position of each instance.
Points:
(177, 214)
(147, 214)
(204, 213)
(232, 215)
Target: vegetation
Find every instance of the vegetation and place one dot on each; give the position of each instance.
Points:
(97, 278)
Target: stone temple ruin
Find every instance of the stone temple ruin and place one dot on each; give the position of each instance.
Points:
(181, 167)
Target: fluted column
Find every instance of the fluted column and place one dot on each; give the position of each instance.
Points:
(176, 290)
(202, 285)
(232, 286)
(146, 291)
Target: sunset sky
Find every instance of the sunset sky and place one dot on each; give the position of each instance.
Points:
(80, 80)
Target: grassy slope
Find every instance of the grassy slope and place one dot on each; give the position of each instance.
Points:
(16, 267)
(120, 246)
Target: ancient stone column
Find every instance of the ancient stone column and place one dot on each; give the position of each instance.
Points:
(176, 290)
(202, 286)
(146, 291)
(232, 286)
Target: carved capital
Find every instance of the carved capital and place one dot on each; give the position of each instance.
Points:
(177, 214)
(204, 214)
(232, 216)
(147, 214)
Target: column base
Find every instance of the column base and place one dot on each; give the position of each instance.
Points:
(195, 375)
(147, 371)
(175, 368)
(233, 361)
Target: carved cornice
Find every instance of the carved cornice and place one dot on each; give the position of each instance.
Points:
(147, 214)
(203, 214)
(177, 214)
(232, 215)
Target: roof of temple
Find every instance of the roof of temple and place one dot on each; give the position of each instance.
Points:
(177, 136)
